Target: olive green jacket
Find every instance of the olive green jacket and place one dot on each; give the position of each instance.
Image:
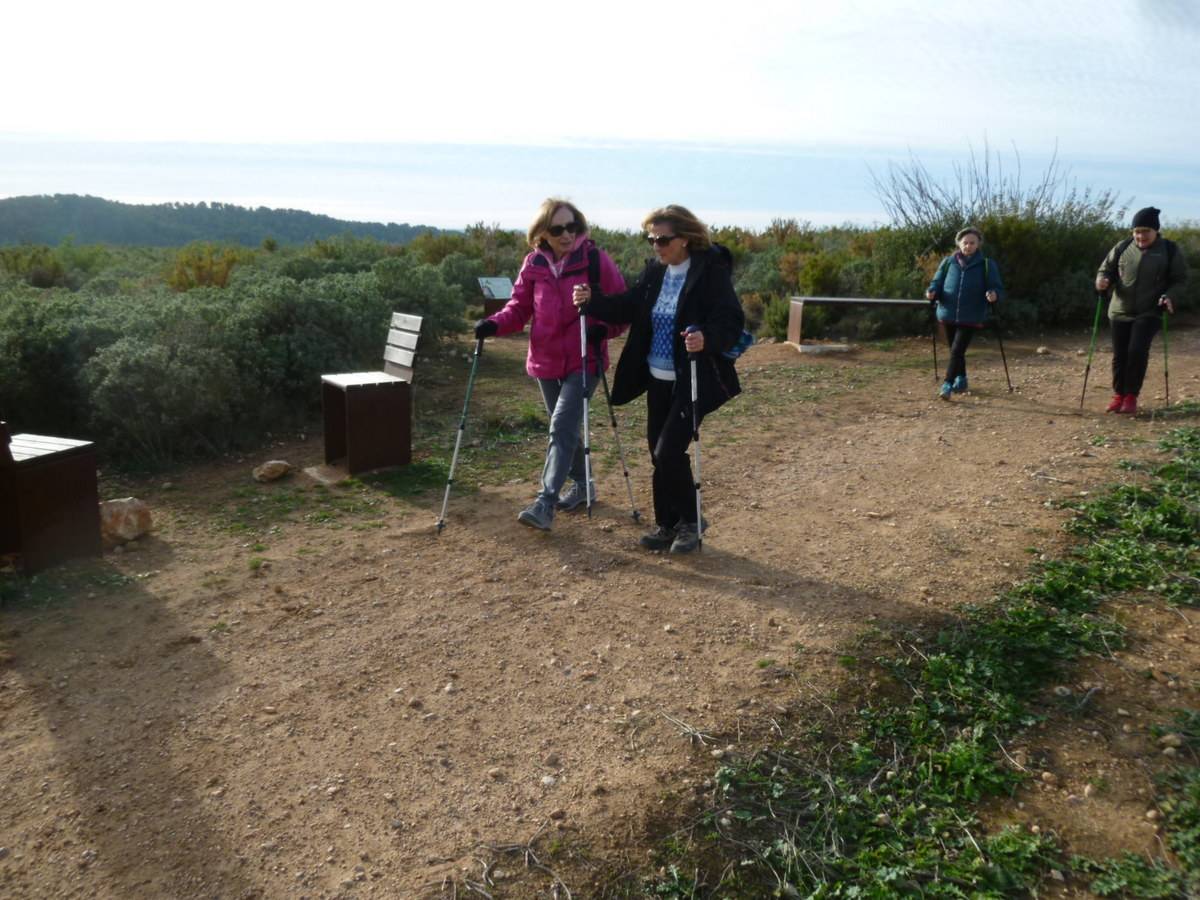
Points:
(1141, 277)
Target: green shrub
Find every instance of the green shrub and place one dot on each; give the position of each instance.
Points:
(160, 401)
(418, 289)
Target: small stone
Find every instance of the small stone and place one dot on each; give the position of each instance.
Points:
(495, 773)
(1170, 751)
(717, 754)
(1057, 875)
(883, 819)
(1089, 790)
(552, 760)
(558, 814)
(415, 703)
(1153, 815)
(1043, 351)
(669, 629)
(450, 688)
(1062, 691)
(272, 470)
(332, 790)
(549, 781)
(1171, 740)
(1049, 778)
(1123, 712)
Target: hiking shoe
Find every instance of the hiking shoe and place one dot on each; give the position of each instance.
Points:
(658, 539)
(1114, 405)
(574, 497)
(945, 389)
(959, 386)
(687, 538)
(538, 514)
(1129, 405)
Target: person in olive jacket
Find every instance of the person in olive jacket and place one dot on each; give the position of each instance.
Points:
(1147, 273)
(688, 286)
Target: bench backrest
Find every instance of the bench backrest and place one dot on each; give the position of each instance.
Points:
(401, 350)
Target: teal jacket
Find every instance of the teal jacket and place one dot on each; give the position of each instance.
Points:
(961, 291)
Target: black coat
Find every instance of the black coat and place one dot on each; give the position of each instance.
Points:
(707, 300)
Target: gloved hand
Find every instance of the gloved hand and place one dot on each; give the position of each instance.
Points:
(596, 333)
(485, 328)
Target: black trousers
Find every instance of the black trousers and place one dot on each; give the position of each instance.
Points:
(959, 339)
(1131, 352)
(668, 432)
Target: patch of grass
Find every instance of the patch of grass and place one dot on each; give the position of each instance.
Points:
(60, 585)
(883, 804)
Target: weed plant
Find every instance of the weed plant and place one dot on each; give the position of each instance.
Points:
(883, 806)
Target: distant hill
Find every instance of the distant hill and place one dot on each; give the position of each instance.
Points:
(93, 220)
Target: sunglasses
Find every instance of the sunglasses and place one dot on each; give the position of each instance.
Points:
(660, 240)
(557, 230)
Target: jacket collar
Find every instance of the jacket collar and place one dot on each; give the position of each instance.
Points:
(576, 259)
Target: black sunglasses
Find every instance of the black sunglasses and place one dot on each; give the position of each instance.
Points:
(661, 240)
(557, 230)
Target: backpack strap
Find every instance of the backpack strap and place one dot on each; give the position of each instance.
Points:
(593, 268)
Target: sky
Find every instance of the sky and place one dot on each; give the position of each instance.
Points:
(458, 112)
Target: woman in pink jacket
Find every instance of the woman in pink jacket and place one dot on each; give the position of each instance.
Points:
(563, 256)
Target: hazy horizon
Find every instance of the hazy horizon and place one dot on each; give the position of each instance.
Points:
(455, 185)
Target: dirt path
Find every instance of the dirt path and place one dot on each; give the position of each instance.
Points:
(330, 703)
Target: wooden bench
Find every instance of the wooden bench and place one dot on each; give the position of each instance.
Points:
(796, 311)
(49, 500)
(368, 415)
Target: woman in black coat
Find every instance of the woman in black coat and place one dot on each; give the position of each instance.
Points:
(683, 303)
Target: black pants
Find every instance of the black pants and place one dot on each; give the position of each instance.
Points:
(959, 339)
(1131, 352)
(668, 432)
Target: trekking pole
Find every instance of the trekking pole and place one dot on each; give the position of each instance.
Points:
(933, 317)
(462, 426)
(587, 449)
(612, 418)
(1003, 358)
(1092, 347)
(1166, 368)
(696, 441)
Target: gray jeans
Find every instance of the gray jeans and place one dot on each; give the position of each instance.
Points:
(564, 456)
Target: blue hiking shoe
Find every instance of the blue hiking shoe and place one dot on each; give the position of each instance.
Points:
(945, 389)
(538, 514)
(960, 384)
(574, 497)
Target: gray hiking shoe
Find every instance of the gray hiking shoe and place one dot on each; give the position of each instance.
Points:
(574, 497)
(538, 514)
(687, 537)
(658, 539)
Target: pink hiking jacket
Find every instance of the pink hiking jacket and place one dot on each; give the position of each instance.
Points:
(544, 297)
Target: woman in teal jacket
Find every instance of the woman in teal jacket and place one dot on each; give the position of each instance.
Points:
(965, 286)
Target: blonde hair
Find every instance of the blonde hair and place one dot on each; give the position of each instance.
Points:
(970, 229)
(545, 213)
(683, 222)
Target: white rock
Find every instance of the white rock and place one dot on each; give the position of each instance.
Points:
(124, 520)
(272, 470)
